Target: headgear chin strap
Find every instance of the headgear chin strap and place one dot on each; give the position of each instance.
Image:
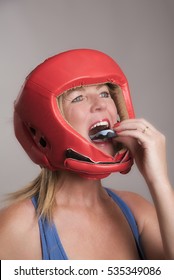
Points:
(43, 132)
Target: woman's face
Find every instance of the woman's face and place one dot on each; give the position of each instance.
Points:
(90, 109)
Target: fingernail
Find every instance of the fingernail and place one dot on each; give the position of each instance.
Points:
(117, 125)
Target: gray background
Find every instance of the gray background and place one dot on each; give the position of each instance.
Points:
(138, 34)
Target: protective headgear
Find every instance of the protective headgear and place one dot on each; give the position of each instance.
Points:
(43, 132)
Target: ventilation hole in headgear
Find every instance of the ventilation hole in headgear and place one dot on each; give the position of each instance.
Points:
(32, 130)
(42, 142)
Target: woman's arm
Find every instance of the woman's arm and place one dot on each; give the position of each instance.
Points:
(148, 148)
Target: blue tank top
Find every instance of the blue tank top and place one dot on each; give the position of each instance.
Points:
(52, 248)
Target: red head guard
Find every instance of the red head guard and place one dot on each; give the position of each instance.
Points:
(40, 127)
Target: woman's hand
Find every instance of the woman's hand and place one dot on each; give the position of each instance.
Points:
(147, 146)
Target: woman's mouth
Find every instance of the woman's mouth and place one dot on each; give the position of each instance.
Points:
(101, 132)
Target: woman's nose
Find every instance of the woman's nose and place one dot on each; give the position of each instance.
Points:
(98, 104)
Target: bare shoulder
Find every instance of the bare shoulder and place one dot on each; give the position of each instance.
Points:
(16, 215)
(143, 210)
(131, 198)
(18, 230)
(140, 207)
(147, 222)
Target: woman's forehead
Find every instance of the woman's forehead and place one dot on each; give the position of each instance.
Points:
(83, 88)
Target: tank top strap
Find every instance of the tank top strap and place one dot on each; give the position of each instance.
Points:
(52, 248)
(130, 219)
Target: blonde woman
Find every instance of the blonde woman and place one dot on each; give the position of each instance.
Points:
(74, 117)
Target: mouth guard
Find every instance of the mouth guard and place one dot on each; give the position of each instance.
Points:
(103, 134)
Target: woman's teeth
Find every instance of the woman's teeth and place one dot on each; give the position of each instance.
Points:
(102, 123)
(97, 127)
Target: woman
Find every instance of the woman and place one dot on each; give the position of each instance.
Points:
(74, 117)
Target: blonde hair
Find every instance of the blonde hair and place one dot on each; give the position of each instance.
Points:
(117, 96)
(43, 187)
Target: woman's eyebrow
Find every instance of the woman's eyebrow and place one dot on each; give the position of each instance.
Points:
(69, 92)
(101, 85)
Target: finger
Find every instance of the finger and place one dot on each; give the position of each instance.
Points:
(125, 136)
(134, 124)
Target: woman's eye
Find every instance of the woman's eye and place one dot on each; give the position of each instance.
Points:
(78, 99)
(105, 94)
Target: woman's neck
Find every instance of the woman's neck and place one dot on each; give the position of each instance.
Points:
(73, 189)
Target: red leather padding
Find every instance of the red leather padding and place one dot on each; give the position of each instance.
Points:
(37, 118)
